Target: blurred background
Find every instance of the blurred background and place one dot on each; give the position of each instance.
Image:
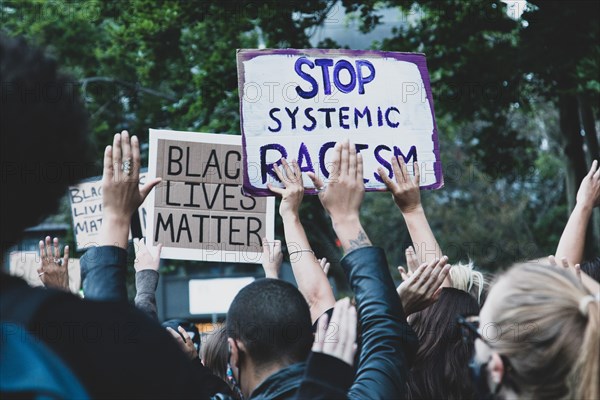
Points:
(516, 88)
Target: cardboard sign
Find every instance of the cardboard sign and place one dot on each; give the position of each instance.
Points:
(198, 212)
(214, 296)
(298, 103)
(86, 210)
(25, 264)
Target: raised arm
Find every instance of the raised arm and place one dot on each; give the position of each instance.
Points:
(387, 342)
(572, 241)
(312, 281)
(407, 195)
(146, 277)
(103, 268)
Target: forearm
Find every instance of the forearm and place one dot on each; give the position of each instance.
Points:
(103, 273)
(350, 232)
(114, 230)
(426, 247)
(387, 340)
(572, 240)
(146, 282)
(311, 280)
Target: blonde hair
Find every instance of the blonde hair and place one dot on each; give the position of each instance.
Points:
(465, 278)
(545, 324)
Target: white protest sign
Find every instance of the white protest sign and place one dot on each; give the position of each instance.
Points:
(298, 103)
(198, 211)
(86, 210)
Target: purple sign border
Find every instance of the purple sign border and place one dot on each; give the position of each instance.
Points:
(416, 58)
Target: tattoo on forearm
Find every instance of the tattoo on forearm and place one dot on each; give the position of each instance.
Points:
(361, 241)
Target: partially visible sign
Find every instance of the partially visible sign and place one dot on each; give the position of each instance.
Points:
(298, 103)
(86, 210)
(25, 264)
(198, 212)
(214, 296)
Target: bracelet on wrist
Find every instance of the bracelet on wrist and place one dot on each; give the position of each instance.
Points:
(302, 251)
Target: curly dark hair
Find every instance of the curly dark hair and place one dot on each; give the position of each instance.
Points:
(43, 129)
(441, 367)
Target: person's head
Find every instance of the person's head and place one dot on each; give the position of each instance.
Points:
(539, 336)
(268, 328)
(189, 327)
(592, 268)
(214, 352)
(43, 126)
(441, 366)
(466, 278)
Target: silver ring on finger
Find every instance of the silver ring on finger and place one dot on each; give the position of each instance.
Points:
(126, 166)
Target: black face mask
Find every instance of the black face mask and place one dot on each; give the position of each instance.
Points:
(478, 372)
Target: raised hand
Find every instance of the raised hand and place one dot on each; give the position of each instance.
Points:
(406, 191)
(412, 261)
(143, 258)
(121, 194)
(54, 270)
(345, 191)
(574, 268)
(423, 287)
(272, 258)
(184, 341)
(293, 190)
(588, 194)
(338, 338)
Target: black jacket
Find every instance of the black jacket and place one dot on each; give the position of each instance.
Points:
(388, 344)
(281, 385)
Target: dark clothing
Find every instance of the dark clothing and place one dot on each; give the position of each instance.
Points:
(325, 377)
(282, 385)
(114, 349)
(146, 282)
(103, 271)
(388, 344)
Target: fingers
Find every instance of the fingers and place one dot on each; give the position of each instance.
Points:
(397, 170)
(135, 156)
(107, 173)
(344, 157)
(175, 335)
(417, 173)
(324, 265)
(116, 155)
(159, 247)
(56, 249)
(66, 257)
(279, 173)
(266, 248)
(352, 161)
(317, 182)
(390, 184)
(42, 250)
(48, 248)
(289, 171)
(125, 146)
(360, 168)
(403, 274)
(404, 169)
(186, 336)
(442, 276)
(416, 276)
(336, 163)
(145, 190)
(593, 168)
(552, 261)
(412, 262)
(578, 272)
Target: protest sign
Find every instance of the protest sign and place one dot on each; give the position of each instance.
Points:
(298, 103)
(25, 264)
(198, 211)
(86, 210)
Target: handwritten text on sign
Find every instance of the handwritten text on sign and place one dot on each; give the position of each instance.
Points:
(198, 210)
(298, 103)
(86, 210)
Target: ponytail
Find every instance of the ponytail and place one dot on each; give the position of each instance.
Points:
(588, 364)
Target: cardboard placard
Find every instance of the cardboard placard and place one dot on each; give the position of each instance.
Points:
(298, 103)
(25, 264)
(86, 210)
(198, 211)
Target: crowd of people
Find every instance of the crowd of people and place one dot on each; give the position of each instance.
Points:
(447, 331)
